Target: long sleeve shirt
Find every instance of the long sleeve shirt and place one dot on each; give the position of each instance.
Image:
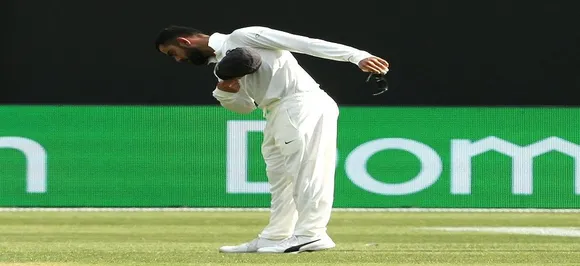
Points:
(280, 74)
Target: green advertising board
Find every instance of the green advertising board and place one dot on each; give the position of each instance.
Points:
(68, 156)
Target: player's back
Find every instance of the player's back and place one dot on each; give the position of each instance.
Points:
(279, 75)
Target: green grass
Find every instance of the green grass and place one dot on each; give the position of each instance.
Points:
(193, 238)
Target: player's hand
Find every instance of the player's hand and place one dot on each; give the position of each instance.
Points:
(232, 85)
(374, 64)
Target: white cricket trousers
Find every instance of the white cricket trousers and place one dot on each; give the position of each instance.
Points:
(299, 149)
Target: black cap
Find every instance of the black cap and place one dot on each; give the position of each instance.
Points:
(237, 63)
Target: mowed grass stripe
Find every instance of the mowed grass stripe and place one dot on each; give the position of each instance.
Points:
(363, 238)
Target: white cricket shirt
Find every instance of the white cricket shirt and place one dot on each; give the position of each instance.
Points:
(280, 74)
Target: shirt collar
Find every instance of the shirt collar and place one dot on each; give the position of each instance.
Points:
(216, 42)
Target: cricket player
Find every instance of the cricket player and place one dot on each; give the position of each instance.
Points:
(255, 68)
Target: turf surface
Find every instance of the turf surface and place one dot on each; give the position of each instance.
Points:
(193, 238)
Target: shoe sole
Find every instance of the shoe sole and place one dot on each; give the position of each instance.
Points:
(221, 251)
(317, 248)
(311, 248)
(232, 251)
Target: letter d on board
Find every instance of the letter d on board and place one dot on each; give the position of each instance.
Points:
(237, 157)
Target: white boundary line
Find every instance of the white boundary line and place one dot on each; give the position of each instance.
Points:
(486, 210)
(528, 230)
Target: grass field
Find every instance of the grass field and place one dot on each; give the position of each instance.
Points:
(193, 238)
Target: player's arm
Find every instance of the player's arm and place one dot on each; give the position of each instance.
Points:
(263, 37)
(230, 97)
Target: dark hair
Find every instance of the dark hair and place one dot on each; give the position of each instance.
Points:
(173, 32)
